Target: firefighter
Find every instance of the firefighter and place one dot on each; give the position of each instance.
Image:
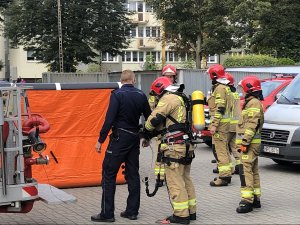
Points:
(248, 142)
(168, 71)
(235, 112)
(169, 119)
(219, 105)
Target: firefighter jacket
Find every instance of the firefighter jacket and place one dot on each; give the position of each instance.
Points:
(235, 111)
(169, 106)
(219, 107)
(250, 123)
(152, 101)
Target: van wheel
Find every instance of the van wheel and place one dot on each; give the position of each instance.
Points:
(208, 142)
(282, 162)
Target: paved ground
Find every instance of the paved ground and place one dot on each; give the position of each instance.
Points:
(280, 189)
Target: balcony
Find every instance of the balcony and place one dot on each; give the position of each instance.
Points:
(139, 18)
(144, 43)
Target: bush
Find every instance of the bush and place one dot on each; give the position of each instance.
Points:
(188, 64)
(285, 61)
(256, 60)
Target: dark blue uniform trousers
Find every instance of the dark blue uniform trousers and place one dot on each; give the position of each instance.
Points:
(124, 147)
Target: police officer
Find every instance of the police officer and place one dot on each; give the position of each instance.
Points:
(123, 114)
(219, 105)
(170, 72)
(249, 140)
(235, 111)
(168, 118)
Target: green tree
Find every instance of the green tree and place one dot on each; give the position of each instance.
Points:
(150, 63)
(88, 27)
(198, 26)
(246, 20)
(279, 32)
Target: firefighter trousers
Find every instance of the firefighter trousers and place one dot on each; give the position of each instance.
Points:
(124, 148)
(159, 168)
(220, 141)
(249, 175)
(179, 183)
(233, 147)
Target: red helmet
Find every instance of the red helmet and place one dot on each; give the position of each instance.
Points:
(250, 84)
(160, 84)
(229, 77)
(216, 71)
(169, 69)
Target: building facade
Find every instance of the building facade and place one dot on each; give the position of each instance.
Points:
(145, 40)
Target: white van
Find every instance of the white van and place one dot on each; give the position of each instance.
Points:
(281, 130)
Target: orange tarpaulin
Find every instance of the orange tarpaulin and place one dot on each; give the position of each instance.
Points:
(75, 118)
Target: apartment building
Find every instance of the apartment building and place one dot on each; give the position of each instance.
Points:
(145, 39)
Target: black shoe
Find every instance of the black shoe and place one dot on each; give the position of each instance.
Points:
(161, 183)
(244, 207)
(216, 170)
(177, 219)
(256, 202)
(193, 216)
(99, 218)
(125, 215)
(213, 161)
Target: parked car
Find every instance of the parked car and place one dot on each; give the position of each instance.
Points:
(271, 87)
(281, 130)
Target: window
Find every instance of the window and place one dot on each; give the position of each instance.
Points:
(134, 56)
(132, 6)
(30, 56)
(128, 56)
(140, 32)
(141, 56)
(212, 59)
(140, 6)
(133, 32)
(155, 31)
(148, 31)
(107, 57)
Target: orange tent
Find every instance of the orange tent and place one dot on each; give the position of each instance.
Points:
(75, 117)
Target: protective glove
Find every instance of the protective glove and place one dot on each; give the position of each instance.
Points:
(244, 148)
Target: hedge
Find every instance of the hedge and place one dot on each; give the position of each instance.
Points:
(256, 60)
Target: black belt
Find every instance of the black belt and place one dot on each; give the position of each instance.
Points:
(130, 131)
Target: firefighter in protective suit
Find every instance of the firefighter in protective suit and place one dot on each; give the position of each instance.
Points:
(249, 141)
(219, 106)
(168, 119)
(235, 112)
(168, 71)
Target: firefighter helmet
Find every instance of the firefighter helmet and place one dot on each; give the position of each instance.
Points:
(160, 84)
(250, 84)
(230, 78)
(171, 70)
(216, 72)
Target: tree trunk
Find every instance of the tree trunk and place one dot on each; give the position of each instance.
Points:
(198, 52)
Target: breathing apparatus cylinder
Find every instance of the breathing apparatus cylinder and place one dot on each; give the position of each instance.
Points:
(198, 118)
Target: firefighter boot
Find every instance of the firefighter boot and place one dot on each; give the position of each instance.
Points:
(216, 170)
(177, 219)
(244, 207)
(160, 183)
(193, 216)
(221, 181)
(256, 202)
